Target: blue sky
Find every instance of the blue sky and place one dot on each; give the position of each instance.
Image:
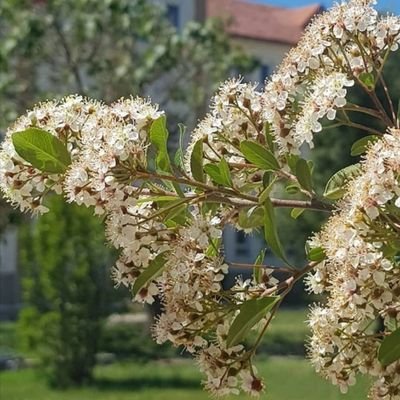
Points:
(383, 5)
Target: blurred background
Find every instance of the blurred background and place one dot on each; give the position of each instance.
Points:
(65, 332)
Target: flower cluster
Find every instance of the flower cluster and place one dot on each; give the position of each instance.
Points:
(167, 221)
(360, 275)
(68, 120)
(341, 46)
(170, 250)
(236, 115)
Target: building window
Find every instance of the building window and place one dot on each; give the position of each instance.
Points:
(242, 245)
(173, 15)
(264, 72)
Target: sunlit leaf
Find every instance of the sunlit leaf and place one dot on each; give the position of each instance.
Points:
(296, 212)
(259, 155)
(361, 145)
(316, 254)
(336, 186)
(42, 150)
(368, 79)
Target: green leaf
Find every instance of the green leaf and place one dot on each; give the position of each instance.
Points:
(259, 155)
(177, 214)
(179, 157)
(361, 145)
(389, 350)
(267, 191)
(219, 173)
(250, 187)
(154, 269)
(303, 174)
(251, 217)
(159, 138)
(296, 212)
(225, 173)
(214, 247)
(196, 161)
(271, 232)
(42, 150)
(335, 188)
(269, 137)
(316, 254)
(292, 161)
(267, 178)
(250, 313)
(257, 270)
(368, 79)
(212, 171)
(292, 189)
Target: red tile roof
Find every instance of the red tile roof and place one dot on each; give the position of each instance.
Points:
(262, 22)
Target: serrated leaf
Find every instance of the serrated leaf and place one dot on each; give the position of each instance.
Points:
(42, 150)
(361, 145)
(196, 161)
(389, 350)
(335, 188)
(251, 217)
(159, 138)
(250, 313)
(316, 254)
(368, 79)
(296, 212)
(154, 269)
(303, 174)
(271, 232)
(259, 155)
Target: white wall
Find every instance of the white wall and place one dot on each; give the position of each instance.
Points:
(267, 53)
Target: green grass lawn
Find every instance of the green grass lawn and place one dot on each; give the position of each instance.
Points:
(287, 379)
(287, 333)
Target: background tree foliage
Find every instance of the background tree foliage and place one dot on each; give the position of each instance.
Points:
(65, 266)
(107, 49)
